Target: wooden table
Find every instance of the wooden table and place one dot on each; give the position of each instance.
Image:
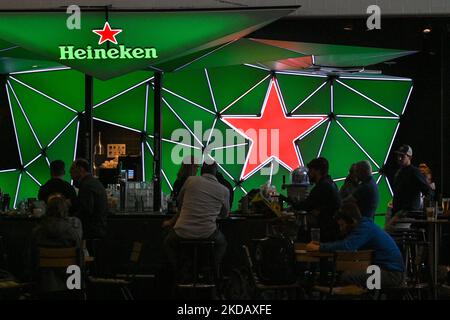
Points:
(302, 255)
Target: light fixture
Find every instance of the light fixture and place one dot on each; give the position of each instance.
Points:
(426, 30)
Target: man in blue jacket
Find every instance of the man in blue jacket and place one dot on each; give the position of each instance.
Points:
(361, 233)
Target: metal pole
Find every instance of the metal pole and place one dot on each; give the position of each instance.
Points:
(157, 142)
(88, 134)
(443, 57)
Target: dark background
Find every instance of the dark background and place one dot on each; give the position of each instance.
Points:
(424, 125)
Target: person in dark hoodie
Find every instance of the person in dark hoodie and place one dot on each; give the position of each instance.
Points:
(56, 230)
(323, 201)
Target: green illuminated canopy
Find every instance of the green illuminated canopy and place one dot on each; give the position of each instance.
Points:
(173, 34)
(330, 55)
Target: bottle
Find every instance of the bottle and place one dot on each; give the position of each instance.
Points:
(98, 148)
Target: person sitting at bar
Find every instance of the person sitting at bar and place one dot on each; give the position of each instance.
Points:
(201, 201)
(350, 184)
(366, 195)
(92, 200)
(361, 233)
(56, 230)
(428, 174)
(57, 184)
(409, 185)
(188, 168)
(323, 201)
(226, 184)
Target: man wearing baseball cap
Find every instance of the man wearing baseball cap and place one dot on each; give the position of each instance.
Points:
(408, 185)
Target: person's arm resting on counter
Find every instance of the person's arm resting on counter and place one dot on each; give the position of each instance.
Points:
(353, 242)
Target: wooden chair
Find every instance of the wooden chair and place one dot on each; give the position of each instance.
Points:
(59, 259)
(346, 261)
(124, 281)
(260, 288)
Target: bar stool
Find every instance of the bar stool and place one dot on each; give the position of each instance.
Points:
(94, 248)
(196, 267)
(414, 247)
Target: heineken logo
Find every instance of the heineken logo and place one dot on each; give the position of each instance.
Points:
(120, 52)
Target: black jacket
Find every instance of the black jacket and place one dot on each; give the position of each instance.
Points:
(409, 182)
(56, 185)
(324, 197)
(92, 207)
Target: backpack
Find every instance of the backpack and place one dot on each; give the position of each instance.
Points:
(274, 260)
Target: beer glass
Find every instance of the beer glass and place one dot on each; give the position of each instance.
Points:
(445, 205)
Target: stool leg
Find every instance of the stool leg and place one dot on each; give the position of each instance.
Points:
(195, 267)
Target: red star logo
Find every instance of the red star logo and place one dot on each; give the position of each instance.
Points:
(272, 134)
(107, 34)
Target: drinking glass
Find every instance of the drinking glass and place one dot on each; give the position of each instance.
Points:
(315, 234)
(445, 205)
(430, 213)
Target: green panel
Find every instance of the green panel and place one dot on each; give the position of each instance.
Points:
(309, 146)
(127, 109)
(375, 135)
(28, 188)
(174, 64)
(319, 103)
(230, 83)
(296, 88)
(251, 103)
(28, 145)
(8, 184)
(192, 85)
(349, 102)
(40, 170)
(380, 221)
(9, 65)
(195, 118)
(171, 123)
(330, 55)
(171, 155)
(64, 147)
(165, 165)
(38, 108)
(104, 89)
(390, 94)
(51, 83)
(240, 52)
(231, 159)
(150, 110)
(173, 34)
(340, 151)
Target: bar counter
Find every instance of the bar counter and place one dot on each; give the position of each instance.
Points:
(124, 228)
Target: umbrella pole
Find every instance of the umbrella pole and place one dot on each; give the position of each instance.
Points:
(157, 142)
(88, 89)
